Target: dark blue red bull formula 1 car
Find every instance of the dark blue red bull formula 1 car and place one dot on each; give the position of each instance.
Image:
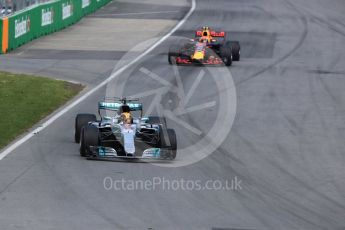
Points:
(207, 48)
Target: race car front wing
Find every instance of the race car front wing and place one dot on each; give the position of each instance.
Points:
(108, 153)
(189, 61)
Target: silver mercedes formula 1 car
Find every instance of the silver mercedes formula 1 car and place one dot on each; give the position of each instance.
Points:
(118, 134)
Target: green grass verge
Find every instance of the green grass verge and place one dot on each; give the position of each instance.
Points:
(26, 99)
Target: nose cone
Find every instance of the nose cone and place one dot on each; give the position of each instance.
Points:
(128, 141)
(198, 55)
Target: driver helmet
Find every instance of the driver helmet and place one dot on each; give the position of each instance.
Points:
(203, 39)
(126, 118)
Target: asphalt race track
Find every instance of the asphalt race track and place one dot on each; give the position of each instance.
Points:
(280, 113)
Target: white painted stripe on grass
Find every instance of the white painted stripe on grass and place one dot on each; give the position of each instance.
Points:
(16, 144)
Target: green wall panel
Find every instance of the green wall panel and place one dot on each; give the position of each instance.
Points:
(47, 18)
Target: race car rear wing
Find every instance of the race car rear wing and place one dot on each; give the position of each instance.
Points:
(115, 106)
(212, 33)
(120, 104)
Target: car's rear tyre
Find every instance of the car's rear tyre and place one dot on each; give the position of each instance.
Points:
(157, 120)
(226, 55)
(80, 121)
(235, 49)
(89, 137)
(174, 52)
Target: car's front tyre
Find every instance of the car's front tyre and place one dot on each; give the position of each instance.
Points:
(89, 137)
(168, 140)
(173, 143)
(235, 49)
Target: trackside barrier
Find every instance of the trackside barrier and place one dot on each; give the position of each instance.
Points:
(1, 48)
(43, 19)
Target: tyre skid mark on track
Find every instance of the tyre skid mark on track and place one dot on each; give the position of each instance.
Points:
(258, 193)
(81, 200)
(310, 189)
(324, 22)
(17, 178)
(254, 192)
(284, 57)
(329, 26)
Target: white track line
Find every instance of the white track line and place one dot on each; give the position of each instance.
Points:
(139, 13)
(22, 140)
